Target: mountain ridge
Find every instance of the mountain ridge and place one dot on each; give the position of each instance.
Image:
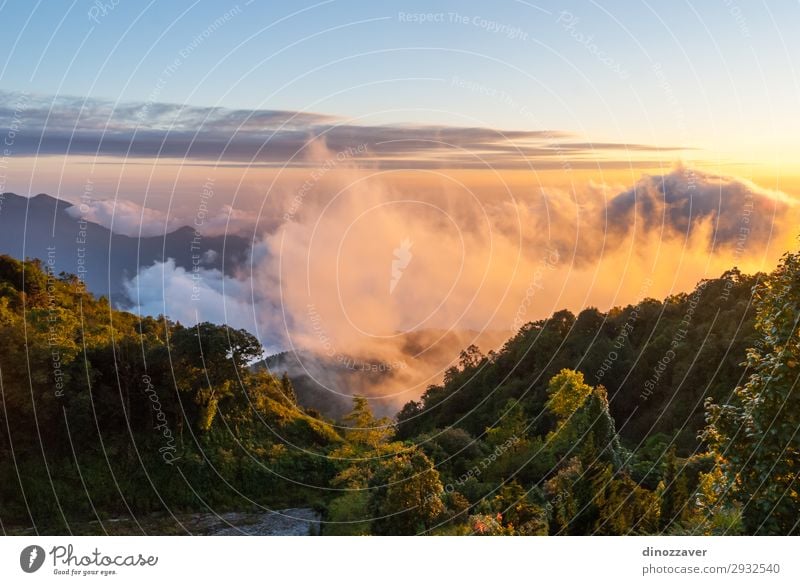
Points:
(40, 226)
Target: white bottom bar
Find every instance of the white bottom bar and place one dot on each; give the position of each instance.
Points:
(389, 560)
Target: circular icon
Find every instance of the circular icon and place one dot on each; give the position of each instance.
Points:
(31, 558)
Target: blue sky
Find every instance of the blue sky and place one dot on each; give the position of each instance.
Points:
(727, 81)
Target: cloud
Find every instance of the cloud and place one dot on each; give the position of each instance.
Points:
(683, 200)
(192, 296)
(89, 126)
(707, 211)
(231, 221)
(327, 278)
(125, 217)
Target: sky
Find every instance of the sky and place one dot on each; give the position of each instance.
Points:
(412, 166)
(718, 76)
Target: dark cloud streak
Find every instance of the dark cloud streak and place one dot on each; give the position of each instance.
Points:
(77, 126)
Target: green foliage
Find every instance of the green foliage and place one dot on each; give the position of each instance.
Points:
(589, 430)
(651, 476)
(594, 499)
(406, 495)
(364, 431)
(348, 515)
(676, 505)
(755, 433)
(577, 457)
(621, 350)
(152, 413)
(393, 488)
(288, 389)
(567, 392)
(155, 414)
(514, 511)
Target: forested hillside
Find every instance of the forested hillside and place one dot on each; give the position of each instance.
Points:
(105, 413)
(658, 361)
(676, 416)
(647, 419)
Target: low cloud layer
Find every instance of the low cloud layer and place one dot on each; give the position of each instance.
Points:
(191, 296)
(682, 201)
(704, 211)
(131, 219)
(355, 275)
(125, 217)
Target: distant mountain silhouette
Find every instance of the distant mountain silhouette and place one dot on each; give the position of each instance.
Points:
(319, 383)
(327, 383)
(40, 227)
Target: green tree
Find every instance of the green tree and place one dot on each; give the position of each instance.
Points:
(348, 515)
(406, 496)
(363, 430)
(518, 515)
(288, 388)
(676, 506)
(567, 392)
(755, 433)
(584, 423)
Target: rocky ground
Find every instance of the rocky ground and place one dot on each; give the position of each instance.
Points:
(289, 522)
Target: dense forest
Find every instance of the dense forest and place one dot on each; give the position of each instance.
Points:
(105, 413)
(674, 416)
